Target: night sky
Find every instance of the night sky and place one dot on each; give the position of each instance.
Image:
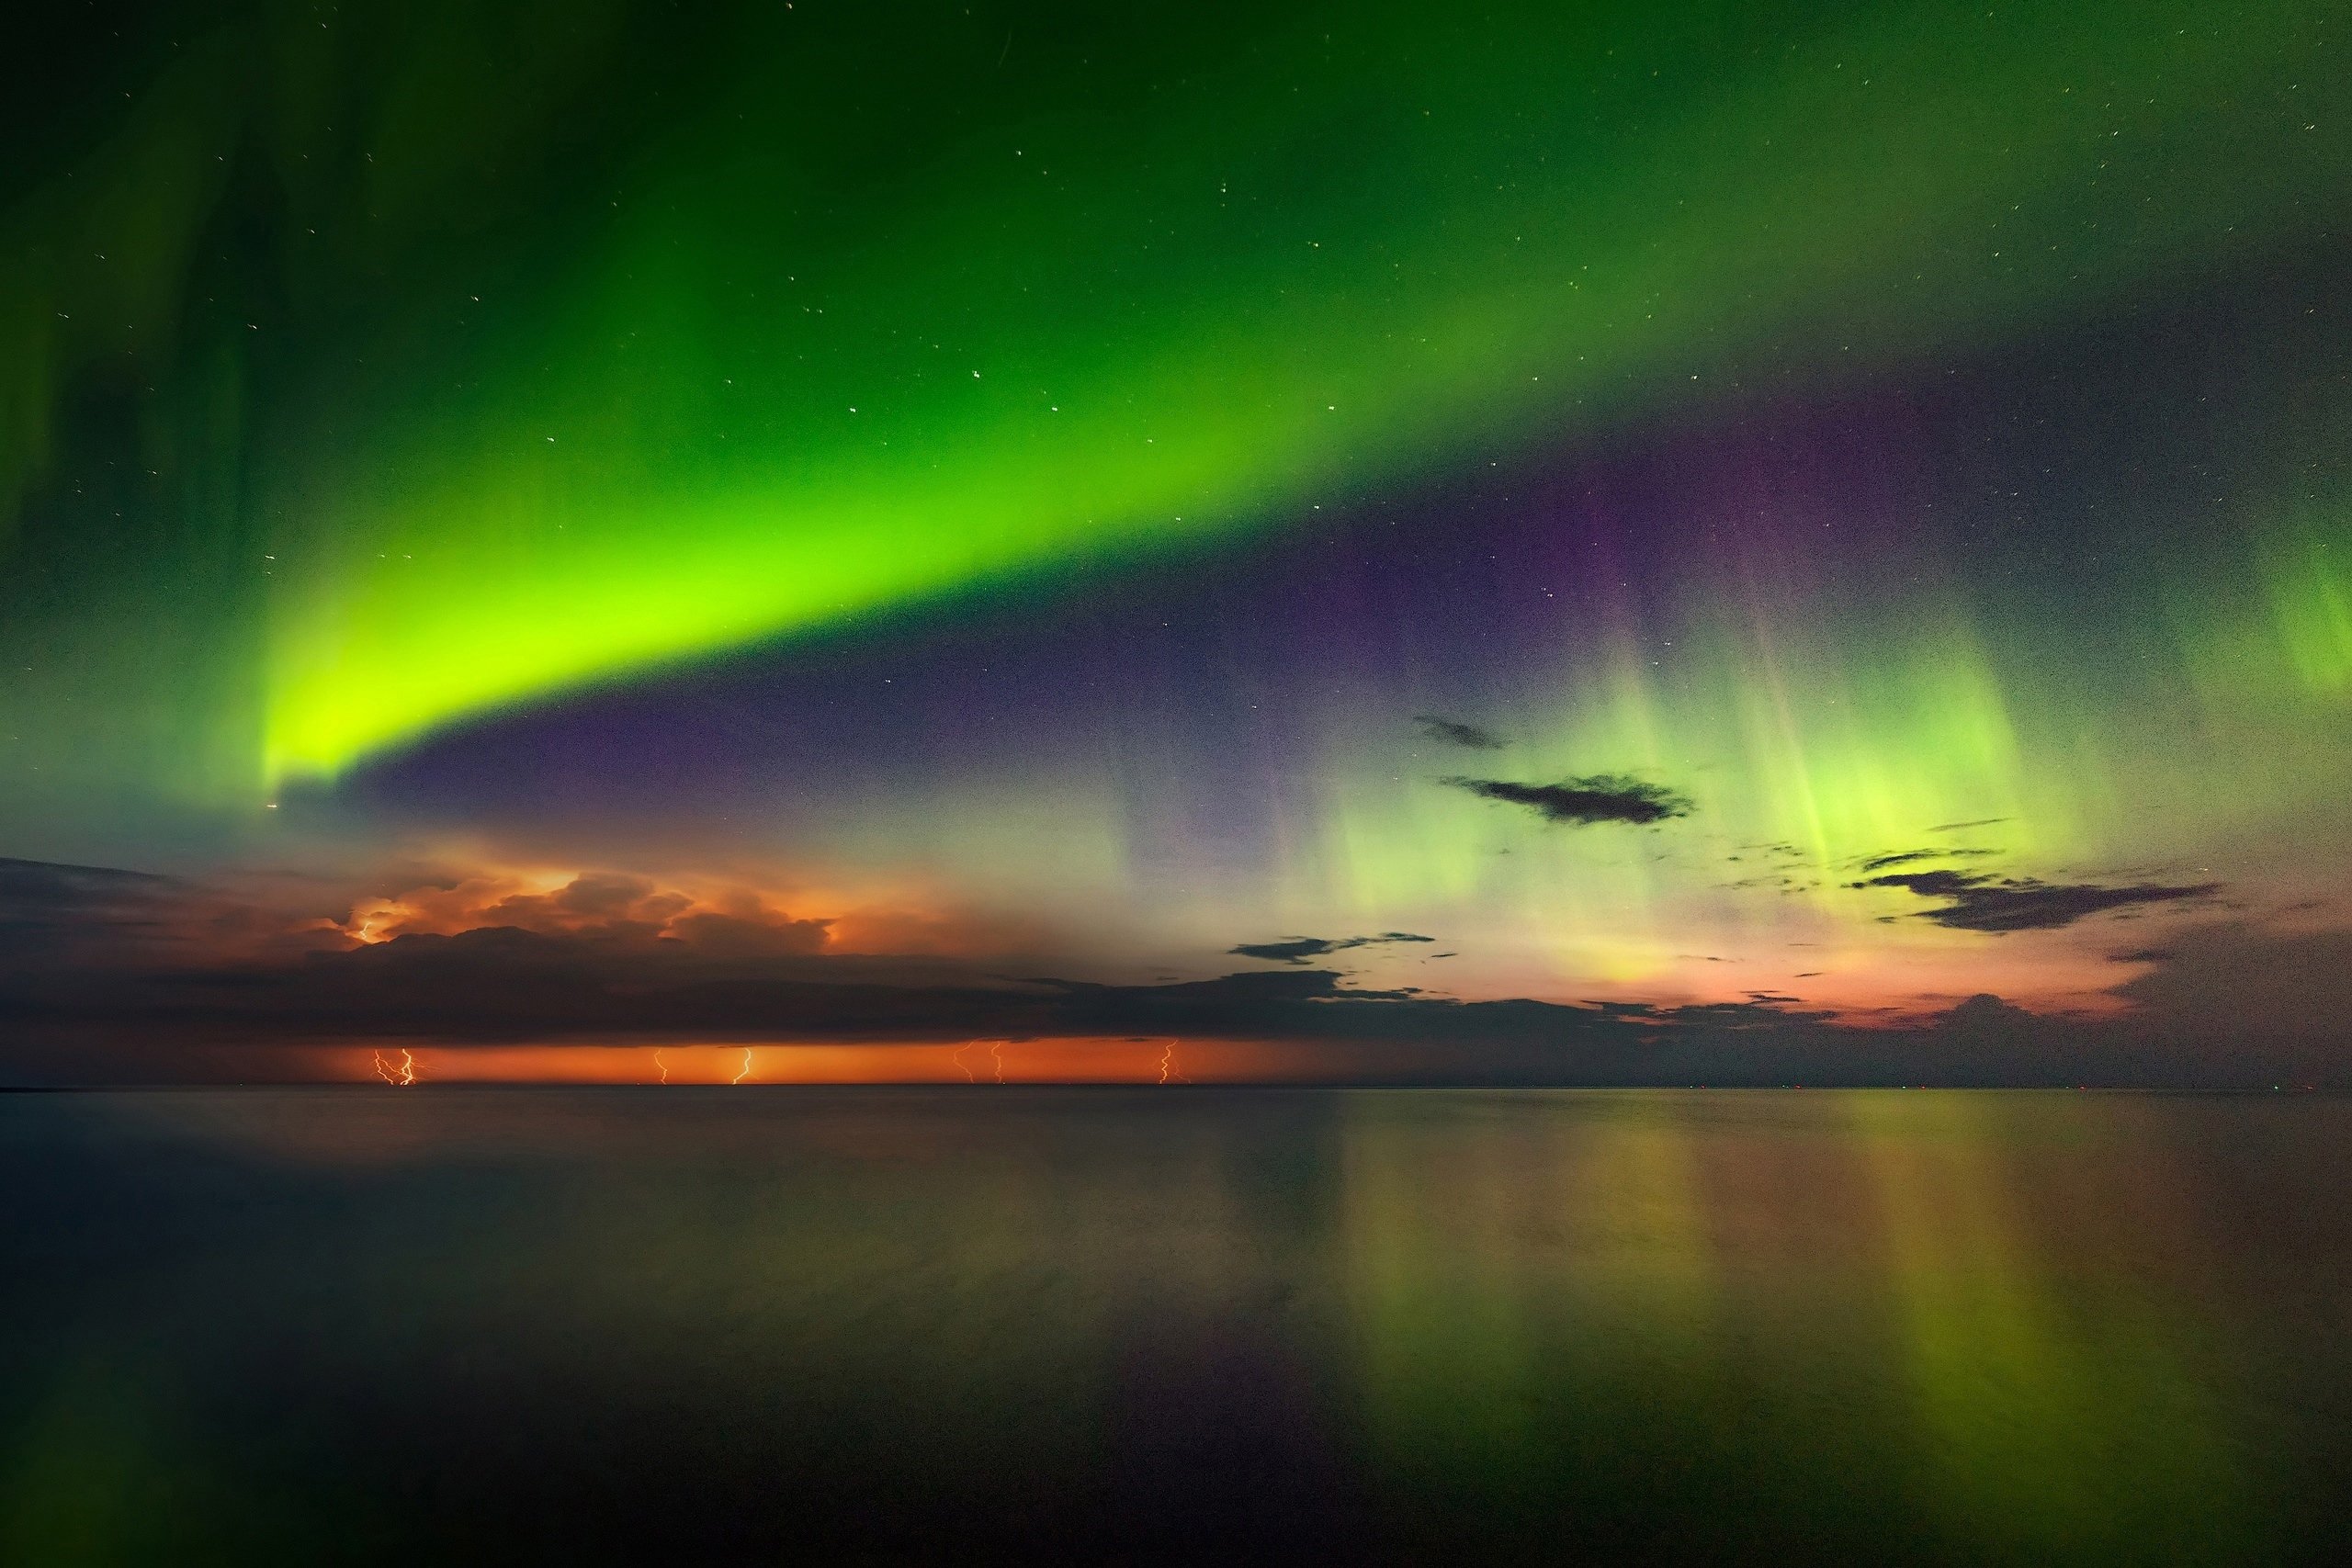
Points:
(1527, 543)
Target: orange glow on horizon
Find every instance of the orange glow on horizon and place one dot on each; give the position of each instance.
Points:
(1894, 976)
(1077, 1059)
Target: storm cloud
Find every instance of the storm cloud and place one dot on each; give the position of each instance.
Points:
(617, 961)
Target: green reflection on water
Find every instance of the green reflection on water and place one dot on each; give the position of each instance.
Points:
(1949, 1324)
(575, 1327)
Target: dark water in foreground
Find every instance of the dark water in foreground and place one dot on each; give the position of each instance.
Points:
(792, 1324)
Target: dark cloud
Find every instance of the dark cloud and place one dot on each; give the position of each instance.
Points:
(54, 916)
(1957, 827)
(1900, 857)
(2233, 980)
(596, 965)
(1299, 949)
(1454, 733)
(2015, 904)
(2141, 956)
(1777, 851)
(2234, 1006)
(600, 984)
(1910, 857)
(1599, 797)
(48, 883)
(1984, 1011)
(44, 905)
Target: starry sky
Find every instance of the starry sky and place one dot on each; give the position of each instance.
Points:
(1561, 543)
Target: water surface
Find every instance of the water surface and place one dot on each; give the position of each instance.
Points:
(569, 1326)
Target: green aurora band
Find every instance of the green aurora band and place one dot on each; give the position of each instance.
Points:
(491, 372)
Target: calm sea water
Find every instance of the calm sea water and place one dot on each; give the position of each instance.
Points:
(789, 1324)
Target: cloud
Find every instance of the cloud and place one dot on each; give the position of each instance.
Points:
(2230, 981)
(1984, 1011)
(606, 959)
(1908, 857)
(1299, 949)
(2236, 1005)
(55, 915)
(2015, 904)
(1454, 733)
(1957, 827)
(612, 903)
(48, 881)
(1598, 797)
(45, 905)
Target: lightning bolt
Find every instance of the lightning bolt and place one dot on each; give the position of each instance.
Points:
(408, 1069)
(958, 1059)
(659, 1066)
(1168, 1069)
(744, 1071)
(996, 1050)
(383, 1071)
(400, 1076)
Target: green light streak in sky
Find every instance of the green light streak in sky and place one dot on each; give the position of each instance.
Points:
(743, 410)
(2307, 576)
(1801, 757)
(1211, 272)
